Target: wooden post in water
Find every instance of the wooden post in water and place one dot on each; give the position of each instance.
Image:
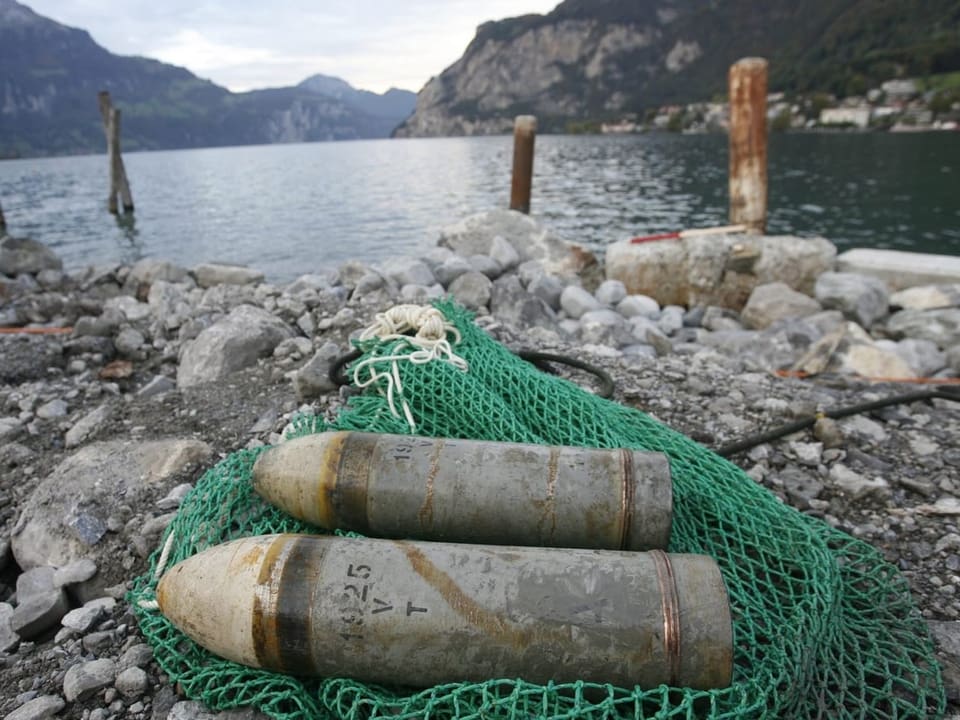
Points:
(748, 144)
(524, 131)
(118, 175)
(3, 223)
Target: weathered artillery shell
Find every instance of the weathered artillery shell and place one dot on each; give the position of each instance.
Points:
(399, 486)
(420, 613)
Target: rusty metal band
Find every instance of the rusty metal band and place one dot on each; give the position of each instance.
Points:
(670, 607)
(628, 490)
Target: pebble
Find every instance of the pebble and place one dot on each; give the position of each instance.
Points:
(41, 612)
(39, 708)
(75, 573)
(132, 682)
(86, 678)
(53, 409)
(82, 619)
(8, 637)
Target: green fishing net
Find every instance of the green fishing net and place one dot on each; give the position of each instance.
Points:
(823, 626)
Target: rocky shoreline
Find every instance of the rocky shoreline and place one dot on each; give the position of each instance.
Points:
(105, 427)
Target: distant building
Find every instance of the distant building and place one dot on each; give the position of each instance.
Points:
(856, 116)
(619, 127)
(899, 90)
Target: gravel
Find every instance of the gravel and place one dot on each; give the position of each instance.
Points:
(890, 477)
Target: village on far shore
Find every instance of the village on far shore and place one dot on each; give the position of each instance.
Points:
(898, 105)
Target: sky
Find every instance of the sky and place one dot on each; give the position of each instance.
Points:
(247, 44)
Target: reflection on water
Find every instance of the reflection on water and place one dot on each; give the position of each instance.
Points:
(287, 209)
(130, 247)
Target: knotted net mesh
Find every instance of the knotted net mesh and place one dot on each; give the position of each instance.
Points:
(823, 626)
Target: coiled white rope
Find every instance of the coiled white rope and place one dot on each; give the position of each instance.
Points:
(430, 341)
(158, 572)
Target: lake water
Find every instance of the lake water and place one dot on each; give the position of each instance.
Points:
(287, 209)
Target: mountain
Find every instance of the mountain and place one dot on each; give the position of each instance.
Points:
(601, 59)
(50, 75)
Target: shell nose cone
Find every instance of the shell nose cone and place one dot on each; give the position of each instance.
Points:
(210, 596)
(267, 466)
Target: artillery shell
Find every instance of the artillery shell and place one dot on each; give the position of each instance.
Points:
(419, 613)
(399, 486)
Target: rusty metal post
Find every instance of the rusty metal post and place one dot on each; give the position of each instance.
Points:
(524, 132)
(748, 143)
(421, 614)
(118, 176)
(399, 486)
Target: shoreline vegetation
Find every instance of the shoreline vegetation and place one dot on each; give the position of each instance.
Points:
(121, 384)
(899, 105)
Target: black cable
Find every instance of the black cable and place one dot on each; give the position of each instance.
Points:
(539, 359)
(944, 392)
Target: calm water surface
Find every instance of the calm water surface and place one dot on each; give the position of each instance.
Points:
(287, 209)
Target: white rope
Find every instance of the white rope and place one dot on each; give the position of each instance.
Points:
(161, 566)
(430, 342)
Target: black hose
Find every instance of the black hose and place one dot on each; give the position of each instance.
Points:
(944, 392)
(540, 360)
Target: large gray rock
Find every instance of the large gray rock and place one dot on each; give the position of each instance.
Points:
(65, 519)
(717, 269)
(923, 356)
(472, 290)
(39, 613)
(8, 638)
(35, 581)
(777, 347)
(899, 269)
(151, 270)
(323, 279)
(407, 271)
(861, 298)
(129, 307)
(475, 236)
(313, 379)
(504, 253)
(486, 265)
(511, 304)
(953, 358)
(939, 326)
(210, 274)
(776, 301)
(850, 350)
(230, 344)
(547, 288)
(23, 255)
(927, 297)
(451, 268)
(634, 305)
(605, 327)
(576, 301)
(611, 292)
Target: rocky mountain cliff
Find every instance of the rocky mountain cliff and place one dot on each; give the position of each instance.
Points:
(50, 75)
(601, 59)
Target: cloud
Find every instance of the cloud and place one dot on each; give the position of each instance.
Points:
(245, 44)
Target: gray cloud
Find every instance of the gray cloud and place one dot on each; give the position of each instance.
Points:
(373, 44)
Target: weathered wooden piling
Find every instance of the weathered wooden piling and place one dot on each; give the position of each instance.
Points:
(118, 175)
(524, 132)
(3, 223)
(748, 143)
